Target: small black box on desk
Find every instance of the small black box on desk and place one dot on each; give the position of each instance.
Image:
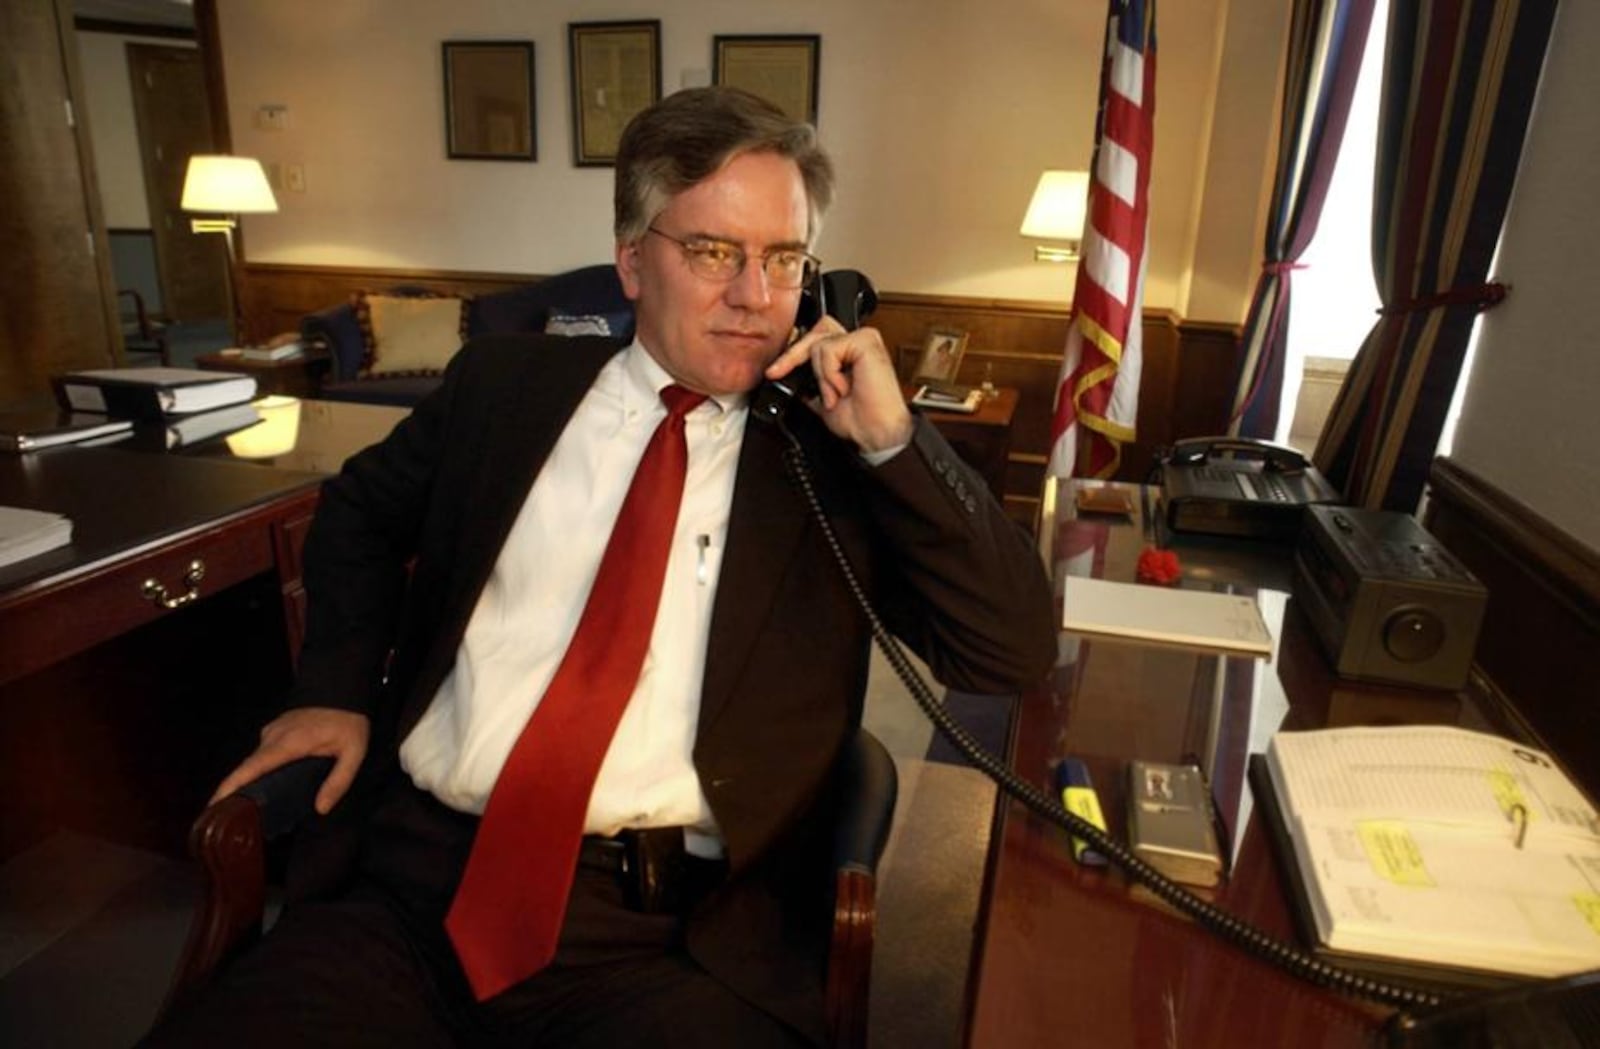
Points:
(1386, 601)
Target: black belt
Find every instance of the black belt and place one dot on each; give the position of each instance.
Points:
(658, 876)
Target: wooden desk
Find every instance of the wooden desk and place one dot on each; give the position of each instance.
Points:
(106, 697)
(137, 517)
(1065, 952)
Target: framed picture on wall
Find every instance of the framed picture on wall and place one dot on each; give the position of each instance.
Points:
(488, 100)
(941, 356)
(780, 69)
(616, 72)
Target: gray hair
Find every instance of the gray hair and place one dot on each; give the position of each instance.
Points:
(688, 136)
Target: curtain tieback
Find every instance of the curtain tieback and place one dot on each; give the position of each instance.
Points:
(1276, 268)
(1480, 298)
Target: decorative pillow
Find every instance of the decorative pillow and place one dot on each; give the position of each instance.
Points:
(414, 334)
(561, 322)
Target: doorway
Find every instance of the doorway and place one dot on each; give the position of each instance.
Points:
(57, 303)
(173, 119)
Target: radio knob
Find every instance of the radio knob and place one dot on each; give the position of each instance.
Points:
(1412, 634)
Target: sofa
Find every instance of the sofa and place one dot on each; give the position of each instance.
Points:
(390, 347)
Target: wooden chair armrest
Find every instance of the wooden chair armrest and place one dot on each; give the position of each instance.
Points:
(286, 795)
(869, 787)
(228, 841)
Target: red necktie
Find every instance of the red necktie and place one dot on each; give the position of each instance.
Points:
(507, 912)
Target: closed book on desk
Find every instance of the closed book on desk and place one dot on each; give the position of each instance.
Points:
(1202, 619)
(963, 399)
(151, 393)
(1434, 852)
(31, 431)
(282, 351)
(28, 533)
(188, 430)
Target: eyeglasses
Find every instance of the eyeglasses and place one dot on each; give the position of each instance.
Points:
(785, 268)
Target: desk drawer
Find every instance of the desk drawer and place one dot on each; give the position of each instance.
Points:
(69, 616)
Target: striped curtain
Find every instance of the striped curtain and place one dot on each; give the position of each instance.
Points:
(1326, 41)
(1458, 87)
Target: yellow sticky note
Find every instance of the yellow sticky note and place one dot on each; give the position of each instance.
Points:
(1393, 852)
(1588, 904)
(1508, 793)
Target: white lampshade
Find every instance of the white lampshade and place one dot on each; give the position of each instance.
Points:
(1057, 212)
(227, 185)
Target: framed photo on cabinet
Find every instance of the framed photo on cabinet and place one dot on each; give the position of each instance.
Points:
(941, 356)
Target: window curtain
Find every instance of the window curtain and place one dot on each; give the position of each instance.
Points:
(1326, 41)
(1458, 88)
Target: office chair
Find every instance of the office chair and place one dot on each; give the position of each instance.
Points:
(142, 333)
(228, 840)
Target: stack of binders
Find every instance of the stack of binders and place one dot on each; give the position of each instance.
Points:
(191, 405)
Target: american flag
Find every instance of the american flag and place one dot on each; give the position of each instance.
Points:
(1097, 400)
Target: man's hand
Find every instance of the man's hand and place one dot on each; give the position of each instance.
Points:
(861, 398)
(304, 733)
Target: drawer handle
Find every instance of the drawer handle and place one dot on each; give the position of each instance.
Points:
(157, 593)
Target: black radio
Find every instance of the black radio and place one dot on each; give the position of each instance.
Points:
(1387, 602)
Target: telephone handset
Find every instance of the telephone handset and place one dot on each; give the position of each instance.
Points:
(1274, 457)
(845, 295)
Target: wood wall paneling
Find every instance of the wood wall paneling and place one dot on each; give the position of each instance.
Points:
(1542, 625)
(274, 297)
(1184, 389)
(1185, 382)
(1210, 357)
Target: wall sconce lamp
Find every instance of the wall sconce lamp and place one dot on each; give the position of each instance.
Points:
(1057, 213)
(224, 187)
(227, 186)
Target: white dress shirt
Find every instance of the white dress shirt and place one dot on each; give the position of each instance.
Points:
(530, 607)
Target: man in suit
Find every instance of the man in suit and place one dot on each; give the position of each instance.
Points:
(446, 572)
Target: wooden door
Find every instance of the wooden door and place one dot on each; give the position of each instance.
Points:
(173, 117)
(57, 300)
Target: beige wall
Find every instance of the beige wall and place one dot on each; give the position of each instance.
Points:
(941, 115)
(1529, 421)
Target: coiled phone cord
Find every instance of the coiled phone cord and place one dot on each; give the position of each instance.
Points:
(1292, 960)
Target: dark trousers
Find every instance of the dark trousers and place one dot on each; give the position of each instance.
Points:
(375, 968)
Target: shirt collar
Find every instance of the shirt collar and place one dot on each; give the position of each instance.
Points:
(643, 379)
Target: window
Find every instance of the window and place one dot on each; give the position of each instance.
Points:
(1333, 301)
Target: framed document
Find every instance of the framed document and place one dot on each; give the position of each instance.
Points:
(488, 100)
(780, 69)
(616, 72)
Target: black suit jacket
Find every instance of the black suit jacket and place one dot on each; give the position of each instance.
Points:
(787, 662)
